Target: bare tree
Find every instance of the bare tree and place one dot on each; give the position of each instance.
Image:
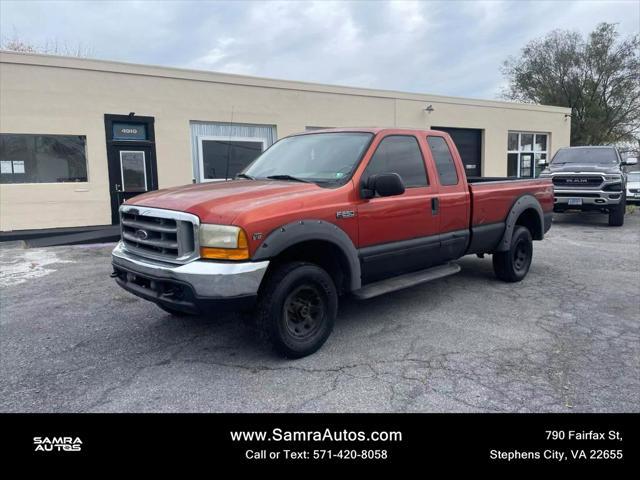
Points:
(50, 47)
(598, 77)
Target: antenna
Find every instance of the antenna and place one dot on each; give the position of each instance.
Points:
(226, 173)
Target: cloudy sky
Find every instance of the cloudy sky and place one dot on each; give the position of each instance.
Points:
(447, 48)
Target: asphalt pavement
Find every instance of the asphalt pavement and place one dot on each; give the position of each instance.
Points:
(566, 339)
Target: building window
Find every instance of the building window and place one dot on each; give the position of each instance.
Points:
(398, 154)
(223, 158)
(28, 158)
(243, 142)
(443, 160)
(527, 153)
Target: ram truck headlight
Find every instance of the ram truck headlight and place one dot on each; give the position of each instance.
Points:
(614, 178)
(223, 242)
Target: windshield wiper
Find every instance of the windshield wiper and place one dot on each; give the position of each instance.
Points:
(244, 175)
(287, 177)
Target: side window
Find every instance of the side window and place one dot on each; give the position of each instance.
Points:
(444, 161)
(399, 154)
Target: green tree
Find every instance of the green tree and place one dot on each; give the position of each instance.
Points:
(598, 77)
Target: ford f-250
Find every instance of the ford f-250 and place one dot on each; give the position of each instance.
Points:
(590, 179)
(318, 215)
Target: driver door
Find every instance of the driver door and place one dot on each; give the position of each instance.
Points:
(400, 233)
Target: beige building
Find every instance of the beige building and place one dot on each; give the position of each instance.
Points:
(78, 135)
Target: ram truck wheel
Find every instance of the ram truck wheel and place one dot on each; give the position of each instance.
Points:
(616, 214)
(297, 308)
(513, 265)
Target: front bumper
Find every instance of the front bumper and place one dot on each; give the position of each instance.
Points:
(633, 196)
(591, 198)
(195, 286)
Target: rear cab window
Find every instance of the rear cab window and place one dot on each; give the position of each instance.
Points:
(399, 154)
(446, 167)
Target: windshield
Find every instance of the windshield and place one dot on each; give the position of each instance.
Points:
(318, 157)
(585, 155)
(634, 177)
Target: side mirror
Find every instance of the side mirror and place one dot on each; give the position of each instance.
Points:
(384, 184)
(630, 161)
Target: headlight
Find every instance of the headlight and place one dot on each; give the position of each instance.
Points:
(544, 175)
(614, 178)
(223, 242)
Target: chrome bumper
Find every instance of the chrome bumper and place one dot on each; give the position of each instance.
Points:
(208, 279)
(589, 197)
(632, 196)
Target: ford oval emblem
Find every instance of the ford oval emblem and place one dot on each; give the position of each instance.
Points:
(142, 234)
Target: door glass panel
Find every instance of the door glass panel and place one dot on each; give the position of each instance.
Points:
(512, 164)
(443, 160)
(133, 170)
(398, 154)
(541, 159)
(526, 164)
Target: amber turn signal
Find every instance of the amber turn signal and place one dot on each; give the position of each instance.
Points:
(241, 252)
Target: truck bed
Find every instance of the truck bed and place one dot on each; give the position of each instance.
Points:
(493, 197)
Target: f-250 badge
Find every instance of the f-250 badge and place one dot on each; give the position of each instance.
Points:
(345, 214)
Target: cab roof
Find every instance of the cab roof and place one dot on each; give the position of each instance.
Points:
(374, 130)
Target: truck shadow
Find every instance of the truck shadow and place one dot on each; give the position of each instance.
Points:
(594, 219)
(237, 335)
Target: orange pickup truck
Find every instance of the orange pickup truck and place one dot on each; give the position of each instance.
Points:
(323, 214)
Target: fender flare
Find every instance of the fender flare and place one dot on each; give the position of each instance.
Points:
(523, 203)
(307, 230)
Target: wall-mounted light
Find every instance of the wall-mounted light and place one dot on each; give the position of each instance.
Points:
(132, 114)
(567, 115)
(429, 108)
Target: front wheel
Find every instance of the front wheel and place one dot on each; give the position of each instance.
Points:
(297, 308)
(616, 214)
(513, 265)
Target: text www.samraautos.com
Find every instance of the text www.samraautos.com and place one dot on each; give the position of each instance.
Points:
(326, 435)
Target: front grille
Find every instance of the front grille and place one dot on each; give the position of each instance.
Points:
(578, 181)
(158, 234)
(581, 194)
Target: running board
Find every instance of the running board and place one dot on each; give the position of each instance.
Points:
(407, 280)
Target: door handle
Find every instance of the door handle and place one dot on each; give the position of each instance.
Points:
(435, 206)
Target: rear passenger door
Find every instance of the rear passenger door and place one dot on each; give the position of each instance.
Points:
(453, 198)
(399, 233)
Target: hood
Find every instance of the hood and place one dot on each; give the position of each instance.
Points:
(222, 202)
(575, 167)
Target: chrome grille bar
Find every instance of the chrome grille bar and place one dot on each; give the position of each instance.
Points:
(160, 234)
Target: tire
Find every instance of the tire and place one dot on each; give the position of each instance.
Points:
(174, 312)
(297, 308)
(616, 214)
(513, 265)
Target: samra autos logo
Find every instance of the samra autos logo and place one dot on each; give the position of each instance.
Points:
(57, 444)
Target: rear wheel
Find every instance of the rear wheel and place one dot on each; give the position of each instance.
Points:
(616, 214)
(513, 265)
(297, 308)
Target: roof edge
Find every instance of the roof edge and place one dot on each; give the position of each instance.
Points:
(112, 66)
